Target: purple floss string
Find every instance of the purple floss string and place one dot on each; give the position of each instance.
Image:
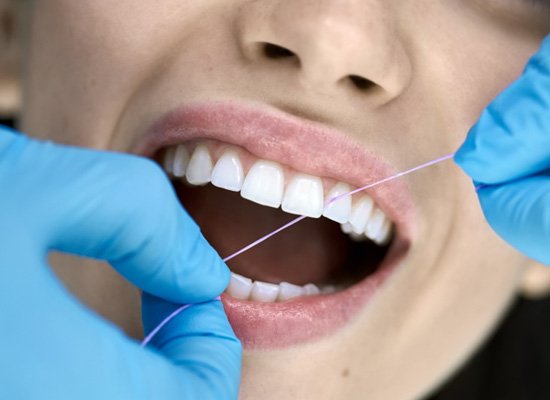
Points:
(295, 221)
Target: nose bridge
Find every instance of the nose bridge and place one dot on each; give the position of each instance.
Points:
(333, 40)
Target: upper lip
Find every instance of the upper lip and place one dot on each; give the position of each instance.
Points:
(303, 145)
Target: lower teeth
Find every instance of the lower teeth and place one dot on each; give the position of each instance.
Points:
(243, 288)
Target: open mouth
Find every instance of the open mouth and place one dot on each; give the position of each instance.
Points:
(259, 196)
(308, 280)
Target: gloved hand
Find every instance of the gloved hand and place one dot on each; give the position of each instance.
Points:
(509, 150)
(120, 208)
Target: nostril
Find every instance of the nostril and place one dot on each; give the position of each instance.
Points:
(361, 83)
(275, 52)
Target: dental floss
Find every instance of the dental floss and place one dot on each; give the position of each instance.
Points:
(150, 336)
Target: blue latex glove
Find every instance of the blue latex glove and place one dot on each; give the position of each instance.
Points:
(509, 150)
(120, 208)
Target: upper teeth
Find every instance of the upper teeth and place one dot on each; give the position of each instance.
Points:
(265, 184)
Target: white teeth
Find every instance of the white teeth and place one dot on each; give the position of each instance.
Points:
(360, 214)
(243, 288)
(384, 235)
(346, 227)
(168, 162)
(304, 196)
(199, 169)
(374, 226)
(288, 291)
(340, 209)
(239, 287)
(228, 172)
(264, 292)
(311, 290)
(264, 184)
(378, 227)
(181, 161)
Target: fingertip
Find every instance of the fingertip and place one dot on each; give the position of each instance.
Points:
(468, 157)
(204, 275)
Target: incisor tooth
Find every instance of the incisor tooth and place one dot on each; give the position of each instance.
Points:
(239, 287)
(264, 292)
(199, 169)
(264, 184)
(340, 209)
(181, 161)
(304, 196)
(228, 172)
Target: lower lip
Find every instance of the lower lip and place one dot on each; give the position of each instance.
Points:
(264, 326)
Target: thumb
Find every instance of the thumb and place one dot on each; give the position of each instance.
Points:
(119, 208)
(201, 342)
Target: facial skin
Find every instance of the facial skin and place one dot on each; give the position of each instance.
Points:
(99, 73)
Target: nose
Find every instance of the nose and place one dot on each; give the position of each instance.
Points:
(345, 44)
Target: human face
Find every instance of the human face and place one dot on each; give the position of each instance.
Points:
(344, 90)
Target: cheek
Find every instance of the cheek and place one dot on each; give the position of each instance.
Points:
(85, 60)
(462, 60)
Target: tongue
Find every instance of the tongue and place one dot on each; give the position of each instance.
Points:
(312, 251)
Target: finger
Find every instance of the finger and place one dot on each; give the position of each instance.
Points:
(201, 342)
(520, 213)
(8, 138)
(512, 137)
(123, 209)
(78, 355)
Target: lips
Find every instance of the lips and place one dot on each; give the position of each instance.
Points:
(312, 150)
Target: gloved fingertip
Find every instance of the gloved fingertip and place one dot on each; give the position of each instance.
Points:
(7, 129)
(465, 156)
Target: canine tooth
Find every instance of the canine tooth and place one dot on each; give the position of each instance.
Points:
(265, 292)
(384, 235)
(264, 184)
(376, 221)
(310, 289)
(239, 287)
(199, 169)
(360, 214)
(288, 291)
(340, 209)
(168, 160)
(304, 196)
(181, 161)
(228, 172)
(357, 237)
